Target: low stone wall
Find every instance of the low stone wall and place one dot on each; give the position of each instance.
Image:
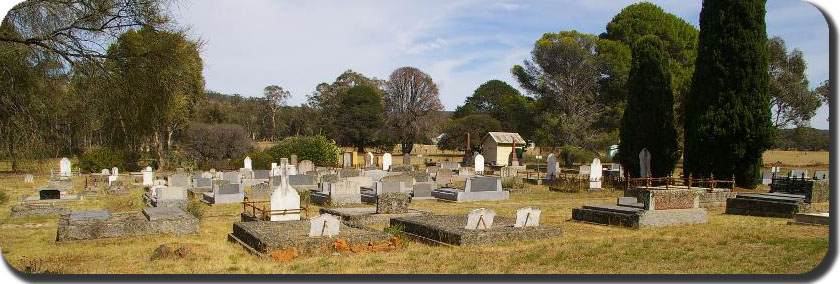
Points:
(39, 209)
(715, 198)
(265, 237)
(82, 225)
(664, 199)
(820, 193)
(450, 229)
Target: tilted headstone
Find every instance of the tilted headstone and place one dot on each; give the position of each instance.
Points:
(368, 159)
(644, 163)
(478, 163)
(527, 217)
(595, 173)
(285, 202)
(386, 161)
(65, 167)
(305, 166)
(324, 225)
(480, 219)
(247, 163)
(481, 183)
(115, 171)
(551, 169)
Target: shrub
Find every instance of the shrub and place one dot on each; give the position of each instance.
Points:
(196, 208)
(97, 159)
(574, 155)
(216, 141)
(318, 149)
(176, 160)
(259, 160)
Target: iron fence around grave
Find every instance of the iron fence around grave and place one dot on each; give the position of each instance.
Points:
(258, 211)
(666, 183)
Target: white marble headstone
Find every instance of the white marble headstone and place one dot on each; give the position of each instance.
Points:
(527, 217)
(478, 162)
(65, 167)
(644, 163)
(148, 176)
(115, 171)
(595, 173)
(386, 161)
(247, 163)
(324, 225)
(284, 197)
(481, 219)
(551, 170)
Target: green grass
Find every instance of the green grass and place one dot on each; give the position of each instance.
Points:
(727, 244)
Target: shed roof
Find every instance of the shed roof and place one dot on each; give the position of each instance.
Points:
(505, 137)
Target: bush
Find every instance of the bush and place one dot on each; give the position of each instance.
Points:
(259, 160)
(97, 159)
(176, 160)
(216, 141)
(574, 155)
(318, 149)
(196, 208)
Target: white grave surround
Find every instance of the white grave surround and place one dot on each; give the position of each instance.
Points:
(65, 167)
(527, 217)
(247, 163)
(324, 225)
(480, 219)
(386, 161)
(595, 173)
(284, 197)
(478, 162)
(644, 163)
(551, 168)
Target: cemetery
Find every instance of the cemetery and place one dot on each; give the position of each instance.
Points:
(98, 224)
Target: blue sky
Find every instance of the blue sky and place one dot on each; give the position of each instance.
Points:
(297, 44)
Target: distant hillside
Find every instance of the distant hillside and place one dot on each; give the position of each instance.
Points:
(802, 139)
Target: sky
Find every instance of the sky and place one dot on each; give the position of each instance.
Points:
(461, 44)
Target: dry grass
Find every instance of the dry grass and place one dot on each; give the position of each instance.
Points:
(817, 160)
(727, 244)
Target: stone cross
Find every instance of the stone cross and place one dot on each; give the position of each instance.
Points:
(324, 225)
(478, 161)
(285, 201)
(595, 172)
(644, 163)
(480, 219)
(551, 169)
(386, 161)
(65, 167)
(247, 163)
(527, 217)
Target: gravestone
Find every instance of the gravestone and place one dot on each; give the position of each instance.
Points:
(551, 168)
(767, 178)
(28, 178)
(527, 217)
(228, 188)
(406, 159)
(305, 166)
(477, 184)
(115, 171)
(595, 173)
(179, 180)
(480, 219)
(584, 170)
(450, 165)
(444, 176)
(368, 159)
(262, 174)
(423, 190)
(324, 225)
(302, 180)
(207, 175)
(293, 160)
(203, 182)
(508, 172)
(65, 167)
(105, 172)
(821, 175)
(247, 163)
(345, 192)
(644, 163)
(376, 175)
(386, 161)
(171, 193)
(232, 177)
(478, 162)
(348, 160)
(148, 176)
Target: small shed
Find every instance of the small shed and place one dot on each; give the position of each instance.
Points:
(497, 146)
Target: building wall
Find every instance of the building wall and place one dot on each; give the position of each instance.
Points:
(488, 150)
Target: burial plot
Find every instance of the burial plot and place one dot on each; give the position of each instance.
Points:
(89, 225)
(777, 205)
(480, 227)
(337, 193)
(38, 209)
(402, 168)
(646, 207)
(812, 191)
(162, 196)
(477, 188)
(225, 194)
(819, 219)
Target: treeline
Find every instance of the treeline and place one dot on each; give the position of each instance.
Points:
(802, 139)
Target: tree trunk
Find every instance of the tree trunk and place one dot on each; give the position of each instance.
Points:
(159, 150)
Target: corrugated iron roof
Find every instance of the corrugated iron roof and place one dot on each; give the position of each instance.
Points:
(506, 137)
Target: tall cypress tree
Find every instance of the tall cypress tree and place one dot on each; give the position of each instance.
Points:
(648, 120)
(727, 125)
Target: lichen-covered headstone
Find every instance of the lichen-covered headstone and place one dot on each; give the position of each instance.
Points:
(324, 225)
(284, 197)
(595, 172)
(386, 161)
(644, 163)
(480, 219)
(527, 217)
(478, 162)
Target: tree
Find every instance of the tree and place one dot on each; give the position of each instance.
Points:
(477, 125)
(823, 93)
(503, 103)
(73, 30)
(275, 97)
(156, 79)
(206, 142)
(359, 117)
(411, 103)
(325, 99)
(791, 101)
(648, 120)
(727, 122)
(563, 73)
